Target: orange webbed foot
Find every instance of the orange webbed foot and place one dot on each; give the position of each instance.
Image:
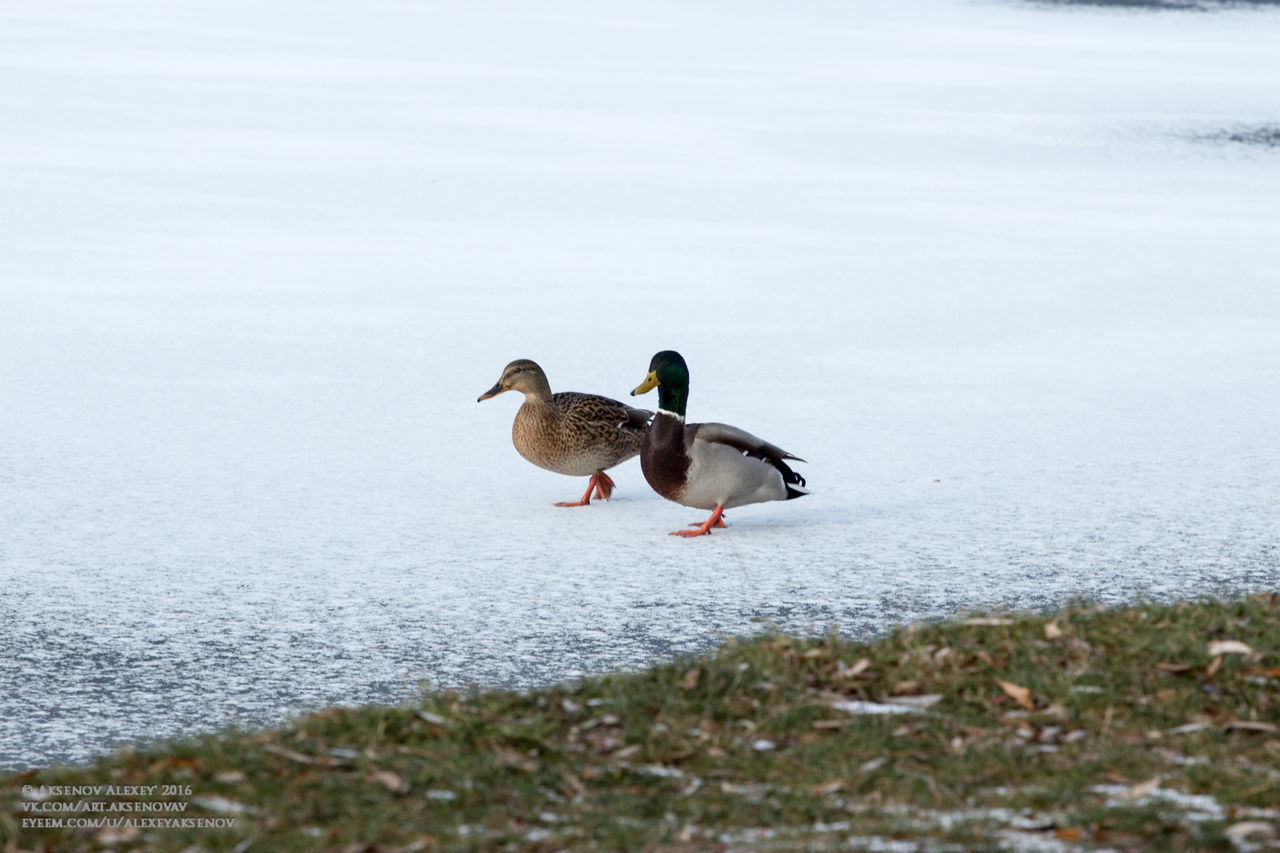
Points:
(716, 520)
(602, 485)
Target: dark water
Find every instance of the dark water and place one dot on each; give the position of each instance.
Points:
(1188, 5)
(1263, 136)
(1266, 136)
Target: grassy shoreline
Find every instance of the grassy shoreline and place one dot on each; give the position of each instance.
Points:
(1150, 726)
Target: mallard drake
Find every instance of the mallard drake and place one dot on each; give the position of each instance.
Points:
(569, 432)
(707, 466)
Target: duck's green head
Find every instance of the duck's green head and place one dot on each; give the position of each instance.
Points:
(669, 373)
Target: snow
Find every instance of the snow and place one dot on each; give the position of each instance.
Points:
(1005, 274)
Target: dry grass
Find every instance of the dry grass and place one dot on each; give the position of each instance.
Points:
(1144, 727)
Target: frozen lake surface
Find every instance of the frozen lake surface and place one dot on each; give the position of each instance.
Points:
(1005, 274)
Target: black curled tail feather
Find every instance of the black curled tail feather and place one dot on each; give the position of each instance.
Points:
(793, 481)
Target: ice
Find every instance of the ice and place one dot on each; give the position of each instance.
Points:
(1004, 274)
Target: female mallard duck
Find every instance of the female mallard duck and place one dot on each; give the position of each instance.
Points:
(570, 433)
(708, 466)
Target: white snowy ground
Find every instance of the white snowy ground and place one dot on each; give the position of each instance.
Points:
(999, 271)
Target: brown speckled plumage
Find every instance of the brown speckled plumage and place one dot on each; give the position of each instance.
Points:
(570, 432)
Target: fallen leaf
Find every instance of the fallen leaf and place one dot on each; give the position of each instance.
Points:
(814, 653)
(1017, 693)
(1067, 833)
(602, 720)
(24, 776)
(1174, 668)
(907, 688)
(986, 621)
(1052, 632)
(859, 666)
(1249, 828)
(827, 788)
(1141, 789)
(571, 785)
(1213, 667)
(691, 678)
(660, 770)
(391, 781)
(1229, 647)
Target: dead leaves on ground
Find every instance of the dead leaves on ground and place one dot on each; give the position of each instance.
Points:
(1126, 699)
(393, 782)
(1228, 647)
(1017, 693)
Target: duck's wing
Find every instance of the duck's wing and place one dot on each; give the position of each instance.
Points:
(713, 434)
(583, 408)
(739, 438)
(637, 419)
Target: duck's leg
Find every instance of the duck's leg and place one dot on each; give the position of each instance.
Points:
(714, 521)
(593, 483)
(604, 486)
